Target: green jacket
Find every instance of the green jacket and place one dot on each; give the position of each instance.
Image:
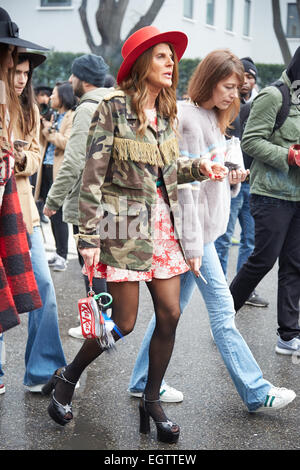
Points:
(270, 174)
(118, 191)
(65, 189)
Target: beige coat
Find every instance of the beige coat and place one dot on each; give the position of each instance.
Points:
(59, 139)
(32, 164)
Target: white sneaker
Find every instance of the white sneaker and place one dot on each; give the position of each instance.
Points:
(38, 388)
(276, 399)
(2, 389)
(34, 388)
(60, 264)
(167, 394)
(288, 348)
(52, 261)
(76, 332)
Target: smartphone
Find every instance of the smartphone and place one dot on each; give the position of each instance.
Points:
(20, 143)
(231, 166)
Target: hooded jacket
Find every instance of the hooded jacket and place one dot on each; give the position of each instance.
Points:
(270, 174)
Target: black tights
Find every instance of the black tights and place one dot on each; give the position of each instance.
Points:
(165, 296)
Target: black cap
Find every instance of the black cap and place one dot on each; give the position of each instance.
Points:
(9, 33)
(249, 66)
(90, 68)
(45, 88)
(293, 69)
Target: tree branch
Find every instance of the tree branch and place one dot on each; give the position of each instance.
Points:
(85, 25)
(277, 25)
(109, 18)
(148, 17)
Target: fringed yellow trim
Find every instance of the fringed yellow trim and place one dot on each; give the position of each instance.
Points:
(144, 152)
(170, 150)
(114, 93)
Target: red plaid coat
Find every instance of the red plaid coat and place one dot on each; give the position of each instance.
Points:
(18, 288)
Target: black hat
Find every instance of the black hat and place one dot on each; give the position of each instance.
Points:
(293, 69)
(48, 90)
(90, 68)
(9, 33)
(34, 58)
(249, 66)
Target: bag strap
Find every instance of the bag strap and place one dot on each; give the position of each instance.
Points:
(89, 100)
(91, 293)
(90, 271)
(286, 104)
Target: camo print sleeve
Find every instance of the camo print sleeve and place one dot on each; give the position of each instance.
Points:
(99, 147)
(188, 170)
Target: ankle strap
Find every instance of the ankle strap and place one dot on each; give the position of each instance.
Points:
(62, 377)
(150, 401)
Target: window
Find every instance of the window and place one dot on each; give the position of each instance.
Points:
(229, 15)
(247, 11)
(56, 3)
(210, 12)
(293, 21)
(188, 8)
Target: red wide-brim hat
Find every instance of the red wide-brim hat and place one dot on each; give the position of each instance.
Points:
(142, 40)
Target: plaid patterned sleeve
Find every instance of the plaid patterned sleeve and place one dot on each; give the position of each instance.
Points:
(18, 288)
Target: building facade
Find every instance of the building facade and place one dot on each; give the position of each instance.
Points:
(244, 26)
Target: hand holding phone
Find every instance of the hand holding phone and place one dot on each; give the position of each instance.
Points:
(20, 143)
(19, 154)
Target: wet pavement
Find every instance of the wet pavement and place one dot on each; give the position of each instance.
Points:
(212, 415)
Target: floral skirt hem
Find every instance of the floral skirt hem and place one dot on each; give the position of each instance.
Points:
(167, 260)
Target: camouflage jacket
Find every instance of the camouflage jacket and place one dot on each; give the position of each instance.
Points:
(119, 184)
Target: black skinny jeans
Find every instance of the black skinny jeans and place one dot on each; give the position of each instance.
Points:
(59, 228)
(277, 236)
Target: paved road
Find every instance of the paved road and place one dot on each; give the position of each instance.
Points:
(212, 415)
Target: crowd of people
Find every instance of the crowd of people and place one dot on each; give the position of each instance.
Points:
(153, 187)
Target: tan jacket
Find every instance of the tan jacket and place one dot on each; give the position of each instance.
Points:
(59, 139)
(32, 164)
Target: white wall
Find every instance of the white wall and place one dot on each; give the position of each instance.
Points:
(61, 29)
(264, 44)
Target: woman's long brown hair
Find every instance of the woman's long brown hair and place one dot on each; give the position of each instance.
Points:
(11, 102)
(27, 100)
(216, 66)
(135, 86)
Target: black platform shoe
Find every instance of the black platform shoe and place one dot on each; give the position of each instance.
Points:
(166, 430)
(61, 414)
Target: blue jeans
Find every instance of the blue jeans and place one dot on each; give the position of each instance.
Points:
(44, 353)
(239, 209)
(241, 365)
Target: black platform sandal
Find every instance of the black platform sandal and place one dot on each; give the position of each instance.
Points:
(61, 414)
(166, 430)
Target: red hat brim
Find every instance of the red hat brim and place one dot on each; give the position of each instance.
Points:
(178, 40)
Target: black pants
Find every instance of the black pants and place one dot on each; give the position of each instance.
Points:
(277, 236)
(59, 228)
